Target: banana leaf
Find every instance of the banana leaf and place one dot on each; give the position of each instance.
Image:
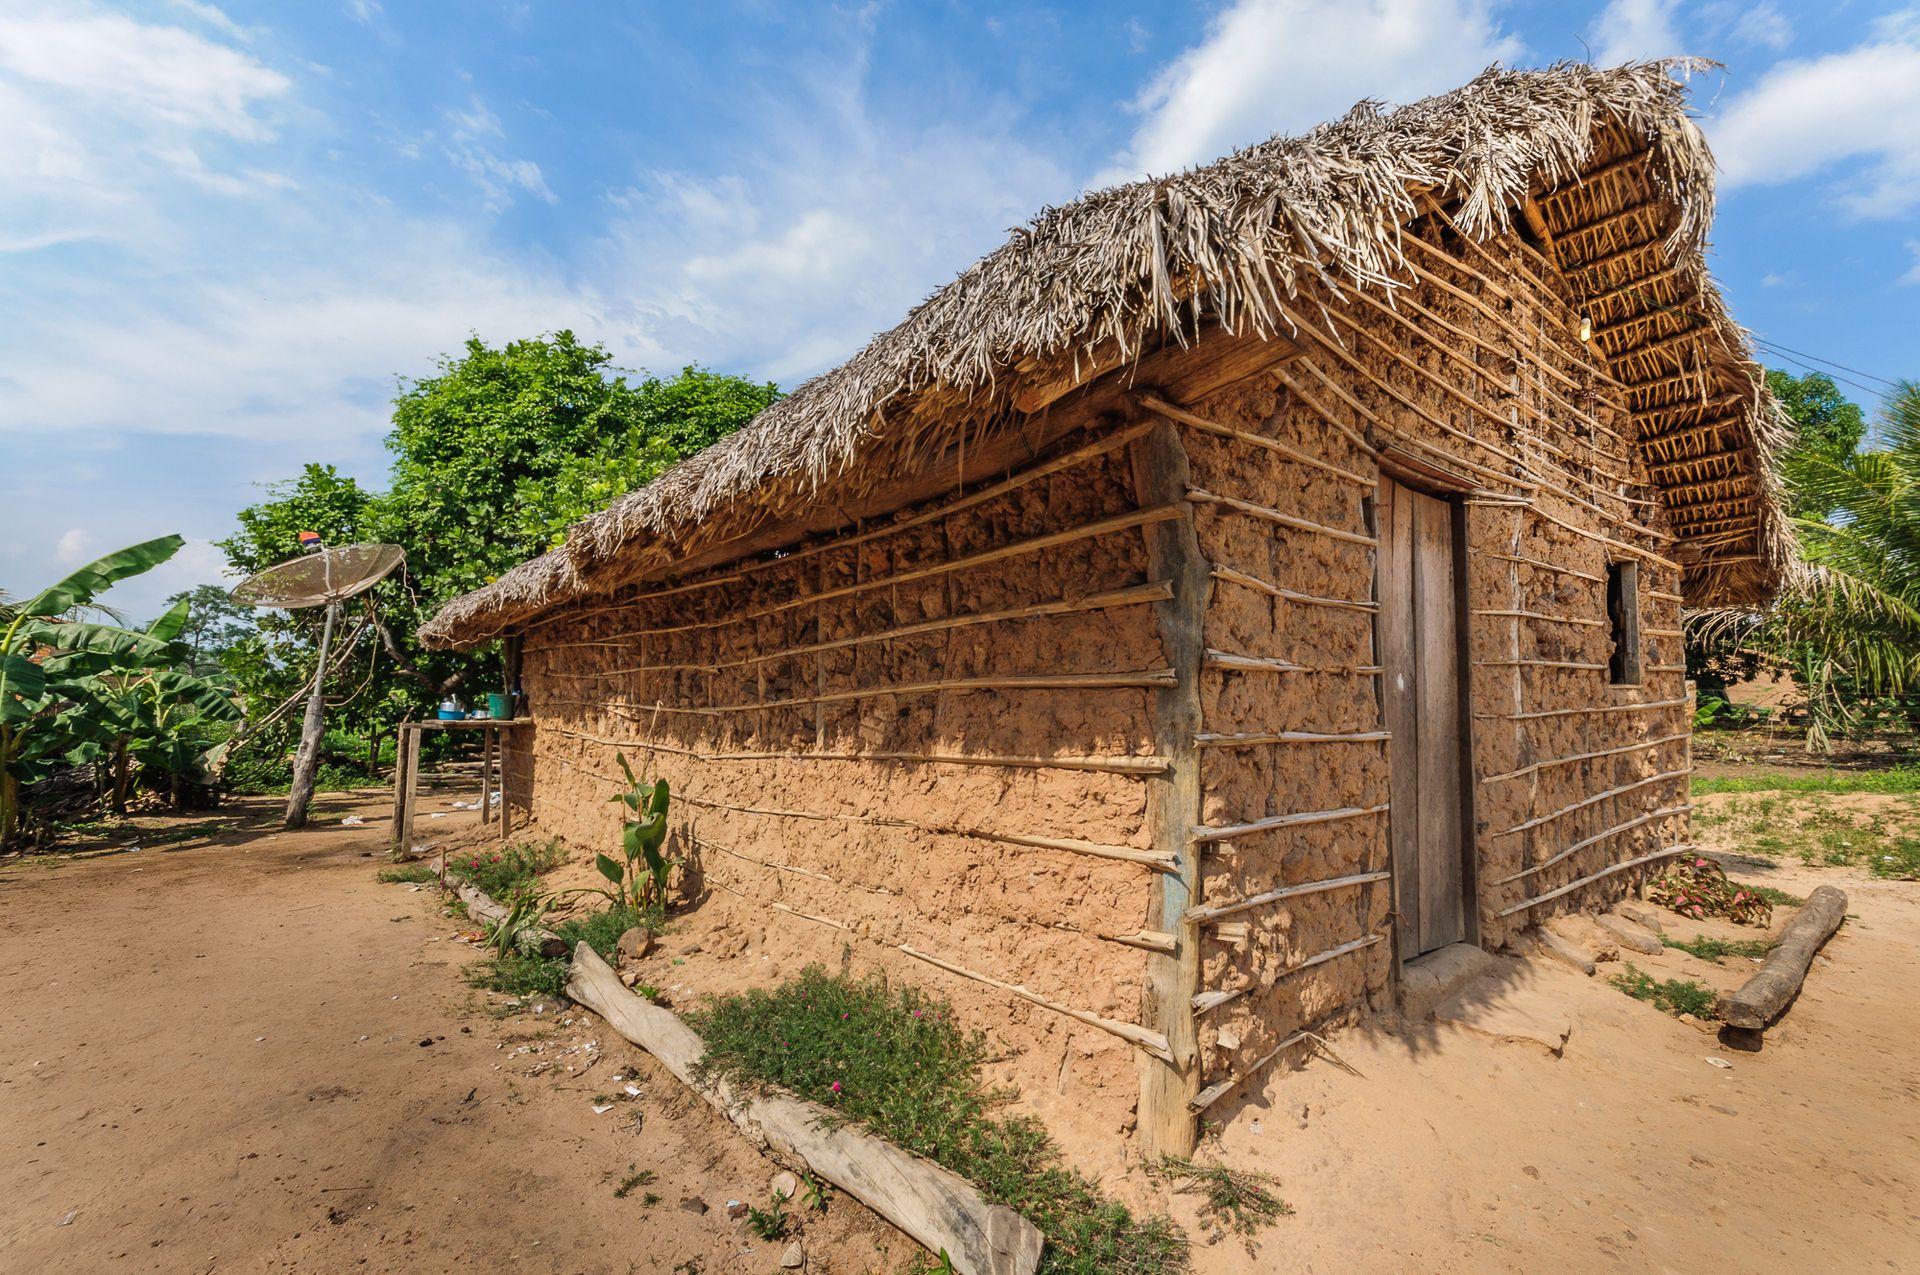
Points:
(80, 587)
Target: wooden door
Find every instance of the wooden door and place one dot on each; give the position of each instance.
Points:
(1422, 674)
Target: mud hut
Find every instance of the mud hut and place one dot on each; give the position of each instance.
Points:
(1237, 585)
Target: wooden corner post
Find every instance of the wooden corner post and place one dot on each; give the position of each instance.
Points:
(1167, 1089)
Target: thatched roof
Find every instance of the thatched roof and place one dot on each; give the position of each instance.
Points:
(1623, 187)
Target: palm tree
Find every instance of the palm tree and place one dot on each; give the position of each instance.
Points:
(1847, 621)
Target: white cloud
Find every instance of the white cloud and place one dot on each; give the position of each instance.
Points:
(470, 138)
(834, 221)
(1913, 276)
(1752, 26)
(156, 76)
(1269, 66)
(214, 17)
(74, 547)
(1634, 30)
(363, 10)
(101, 114)
(1805, 116)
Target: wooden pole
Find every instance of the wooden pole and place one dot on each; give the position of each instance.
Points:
(399, 788)
(1161, 475)
(411, 748)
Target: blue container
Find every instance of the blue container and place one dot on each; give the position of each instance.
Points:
(452, 715)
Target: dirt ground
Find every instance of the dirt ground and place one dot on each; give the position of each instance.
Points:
(211, 1058)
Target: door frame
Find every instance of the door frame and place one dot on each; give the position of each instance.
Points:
(1422, 476)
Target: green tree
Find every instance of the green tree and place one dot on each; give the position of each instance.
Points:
(1827, 428)
(216, 624)
(502, 449)
(494, 456)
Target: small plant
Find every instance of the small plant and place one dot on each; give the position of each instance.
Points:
(640, 882)
(1699, 888)
(635, 1177)
(1237, 1200)
(512, 932)
(410, 874)
(1674, 996)
(813, 1194)
(1715, 949)
(769, 1223)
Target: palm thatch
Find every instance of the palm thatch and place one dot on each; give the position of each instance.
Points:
(1609, 171)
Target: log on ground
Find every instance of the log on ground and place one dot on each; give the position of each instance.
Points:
(487, 910)
(937, 1208)
(1767, 994)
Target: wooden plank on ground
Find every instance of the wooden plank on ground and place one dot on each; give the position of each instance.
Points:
(938, 1209)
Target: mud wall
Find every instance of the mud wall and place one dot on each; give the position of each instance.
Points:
(1477, 372)
(871, 741)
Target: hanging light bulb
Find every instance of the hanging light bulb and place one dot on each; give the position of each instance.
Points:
(1586, 327)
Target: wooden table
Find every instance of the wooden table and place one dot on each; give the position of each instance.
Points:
(406, 771)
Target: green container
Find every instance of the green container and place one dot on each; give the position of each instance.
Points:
(498, 705)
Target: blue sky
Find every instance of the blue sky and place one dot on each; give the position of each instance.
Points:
(226, 230)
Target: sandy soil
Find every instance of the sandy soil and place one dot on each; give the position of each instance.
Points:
(211, 1058)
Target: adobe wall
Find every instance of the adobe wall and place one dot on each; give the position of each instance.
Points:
(1489, 381)
(793, 732)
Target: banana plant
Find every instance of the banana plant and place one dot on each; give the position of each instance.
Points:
(641, 880)
(45, 660)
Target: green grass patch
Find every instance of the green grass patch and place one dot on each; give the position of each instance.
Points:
(1898, 859)
(1811, 829)
(1674, 996)
(499, 872)
(410, 874)
(1779, 898)
(1716, 950)
(1894, 779)
(897, 1062)
(518, 974)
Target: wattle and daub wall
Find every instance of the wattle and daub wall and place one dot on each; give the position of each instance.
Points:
(934, 743)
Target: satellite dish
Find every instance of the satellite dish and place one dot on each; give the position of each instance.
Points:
(322, 577)
(330, 575)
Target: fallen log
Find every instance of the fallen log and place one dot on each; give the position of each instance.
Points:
(1766, 995)
(483, 908)
(939, 1209)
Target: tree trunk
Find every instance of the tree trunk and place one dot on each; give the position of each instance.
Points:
(120, 775)
(306, 762)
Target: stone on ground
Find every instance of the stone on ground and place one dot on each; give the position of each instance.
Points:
(1566, 951)
(1629, 935)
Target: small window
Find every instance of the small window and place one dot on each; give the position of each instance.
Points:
(1623, 615)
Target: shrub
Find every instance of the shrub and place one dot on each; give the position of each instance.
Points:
(499, 872)
(1699, 888)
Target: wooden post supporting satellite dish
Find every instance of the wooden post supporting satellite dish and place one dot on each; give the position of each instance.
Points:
(324, 577)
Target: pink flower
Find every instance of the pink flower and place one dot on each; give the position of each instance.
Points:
(843, 1018)
(835, 1086)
